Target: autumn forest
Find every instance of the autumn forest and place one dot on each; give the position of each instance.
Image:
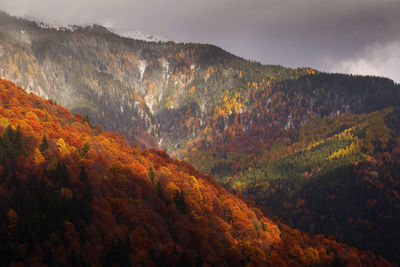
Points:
(122, 152)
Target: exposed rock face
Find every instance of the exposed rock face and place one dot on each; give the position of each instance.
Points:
(166, 91)
(198, 102)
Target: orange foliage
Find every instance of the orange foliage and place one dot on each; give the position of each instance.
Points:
(217, 229)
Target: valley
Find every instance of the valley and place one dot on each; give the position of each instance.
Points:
(318, 150)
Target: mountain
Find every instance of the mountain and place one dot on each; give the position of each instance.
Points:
(137, 35)
(72, 194)
(318, 150)
(127, 85)
(336, 176)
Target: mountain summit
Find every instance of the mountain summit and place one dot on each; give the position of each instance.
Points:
(319, 150)
(137, 35)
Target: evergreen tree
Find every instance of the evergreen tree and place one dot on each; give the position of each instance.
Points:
(161, 194)
(83, 152)
(62, 175)
(44, 145)
(179, 201)
(152, 174)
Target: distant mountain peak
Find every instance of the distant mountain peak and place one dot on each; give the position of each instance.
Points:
(57, 27)
(122, 32)
(137, 35)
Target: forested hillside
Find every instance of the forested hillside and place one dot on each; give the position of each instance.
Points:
(336, 176)
(318, 150)
(75, 195)
(127, 85)
(323, 170)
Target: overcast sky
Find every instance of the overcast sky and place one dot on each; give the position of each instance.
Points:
(351, 36)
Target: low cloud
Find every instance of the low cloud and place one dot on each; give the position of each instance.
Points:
(377, 60)
(357, 36)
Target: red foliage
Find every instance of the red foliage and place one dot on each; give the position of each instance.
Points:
(217, 227)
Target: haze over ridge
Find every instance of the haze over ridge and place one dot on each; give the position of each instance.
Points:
(359, 37)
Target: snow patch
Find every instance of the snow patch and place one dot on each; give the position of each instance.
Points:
(289, 123)
(24, 37)
(137, 35)
(150, 102)
(142, 68)
(37, 91)
(165, 66)
(57, 27)
(203, 107)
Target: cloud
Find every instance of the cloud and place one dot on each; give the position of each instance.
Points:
(377, 60)
(322, 34)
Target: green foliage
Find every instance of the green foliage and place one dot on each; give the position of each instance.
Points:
(11, 147)
(44, 145)
(88, 196)
(161, 194)
(62, 177)
(4, 122)
(42, 211)
(311, 179)
(117, 254)
(83, 152)
(152, 174)
(180, 203)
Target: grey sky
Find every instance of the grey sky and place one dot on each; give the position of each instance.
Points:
(353, 36)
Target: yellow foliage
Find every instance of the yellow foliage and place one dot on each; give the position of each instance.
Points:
(53, 164)
(4, 122)
(310, 71)
(229, 104)
(209, 71)
(14, 102)
(312, 255)
(297, 253)
(191, 91)
(12, 217)
(24, 126)
(38, 157)
(169, 103)
(62, 147)
(170, 191)
(151, 88)
(66, 193)
(346, 134)
(31, 116)
(194, 179)
(196, 190)
(239, 186)
(348, 150)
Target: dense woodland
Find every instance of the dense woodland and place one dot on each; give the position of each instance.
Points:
(336, 175)
(129, 86)
(72, 194)
(318, 150)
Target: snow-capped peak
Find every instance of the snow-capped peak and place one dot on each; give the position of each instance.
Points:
(138, 35)
(131, 34)
(56, 26)
(51, 26)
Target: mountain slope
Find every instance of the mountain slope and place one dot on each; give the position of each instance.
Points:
(336, 176)
(170, 94)
(277, 135)
(73, 194)
(125, 84)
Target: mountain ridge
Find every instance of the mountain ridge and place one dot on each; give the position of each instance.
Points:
(269, 132)
(75, 195)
